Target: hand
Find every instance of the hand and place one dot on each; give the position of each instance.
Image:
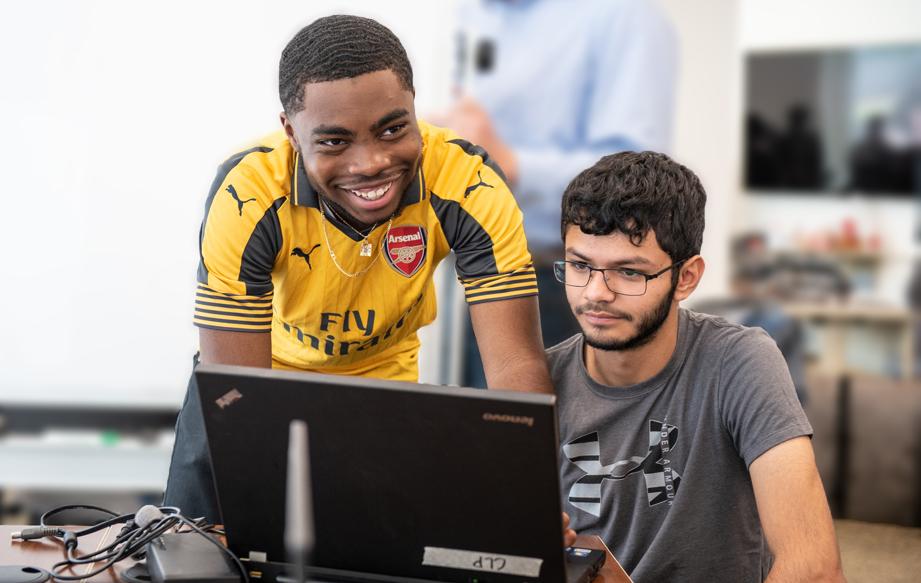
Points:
(569, 535)
(471, 122)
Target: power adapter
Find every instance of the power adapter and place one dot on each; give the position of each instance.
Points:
(189, 558)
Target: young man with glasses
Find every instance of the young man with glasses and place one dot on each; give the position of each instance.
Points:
(683, 444)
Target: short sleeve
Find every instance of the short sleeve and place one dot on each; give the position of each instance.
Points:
(239, 240)
(484, 227)
(759, 405)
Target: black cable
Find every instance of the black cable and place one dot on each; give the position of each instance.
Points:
(44, 530)
(115, 517)
(129, 543)
(131, 540)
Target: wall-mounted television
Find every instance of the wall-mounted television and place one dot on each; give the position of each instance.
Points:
(834, 121)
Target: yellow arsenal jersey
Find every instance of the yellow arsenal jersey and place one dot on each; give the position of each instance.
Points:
(267, 257)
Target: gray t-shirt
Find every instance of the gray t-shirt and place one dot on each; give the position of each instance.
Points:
(659, 470)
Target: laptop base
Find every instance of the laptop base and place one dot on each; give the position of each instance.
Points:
(582, 565)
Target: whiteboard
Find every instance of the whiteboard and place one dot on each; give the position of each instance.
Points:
(114, 117)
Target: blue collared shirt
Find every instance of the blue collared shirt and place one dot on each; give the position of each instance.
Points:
(566, 83)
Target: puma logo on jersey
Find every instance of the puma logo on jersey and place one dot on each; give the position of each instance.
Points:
(240, 203)
(481, 182)
(298, 252)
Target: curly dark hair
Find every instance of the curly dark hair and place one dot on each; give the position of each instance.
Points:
(338, 47)
(635, 192)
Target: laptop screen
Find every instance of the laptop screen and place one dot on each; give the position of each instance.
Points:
(408, 480)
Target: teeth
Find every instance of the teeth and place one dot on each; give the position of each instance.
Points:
(372, 194)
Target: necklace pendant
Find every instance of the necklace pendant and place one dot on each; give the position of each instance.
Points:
(366, 249)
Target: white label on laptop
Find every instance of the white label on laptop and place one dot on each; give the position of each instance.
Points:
(477, 561)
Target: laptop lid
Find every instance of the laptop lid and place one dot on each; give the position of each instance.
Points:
(409, 480)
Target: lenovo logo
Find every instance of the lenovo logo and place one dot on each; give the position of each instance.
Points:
(503, 418)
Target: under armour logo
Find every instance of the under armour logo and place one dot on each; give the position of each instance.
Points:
(662, 480)
(240, 203)
(477, 185)
(298, 252)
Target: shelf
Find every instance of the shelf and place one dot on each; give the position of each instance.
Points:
(850, 312)
(836, 319)
(84, 461)
(854, 256)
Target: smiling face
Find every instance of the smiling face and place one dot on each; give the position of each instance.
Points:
(359, 142)
(612, 321)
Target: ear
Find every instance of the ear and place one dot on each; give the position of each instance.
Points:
(689, 277)
(289, 130)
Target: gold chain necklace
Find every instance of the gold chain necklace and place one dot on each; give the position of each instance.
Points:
(365, 250)
(332, 254)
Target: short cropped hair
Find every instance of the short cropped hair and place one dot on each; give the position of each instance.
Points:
(635, 192)
(338, 47)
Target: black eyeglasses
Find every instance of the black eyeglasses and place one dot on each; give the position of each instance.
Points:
(626, 282)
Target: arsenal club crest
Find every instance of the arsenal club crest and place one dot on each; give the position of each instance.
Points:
(404, 248)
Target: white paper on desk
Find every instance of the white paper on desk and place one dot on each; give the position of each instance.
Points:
(480, 561)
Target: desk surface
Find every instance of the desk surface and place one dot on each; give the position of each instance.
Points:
(44, 553)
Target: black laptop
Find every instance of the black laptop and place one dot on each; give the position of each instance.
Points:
(409, 481)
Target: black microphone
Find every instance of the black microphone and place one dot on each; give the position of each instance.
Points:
(484, 56)
(299, 535)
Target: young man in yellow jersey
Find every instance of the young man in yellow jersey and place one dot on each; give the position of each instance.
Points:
(319, 244)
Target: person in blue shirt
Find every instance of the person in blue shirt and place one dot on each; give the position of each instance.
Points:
(547, 87)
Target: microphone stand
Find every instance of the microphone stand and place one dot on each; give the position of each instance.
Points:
(299, 533)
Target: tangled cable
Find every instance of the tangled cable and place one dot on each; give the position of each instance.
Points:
(140, 528)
